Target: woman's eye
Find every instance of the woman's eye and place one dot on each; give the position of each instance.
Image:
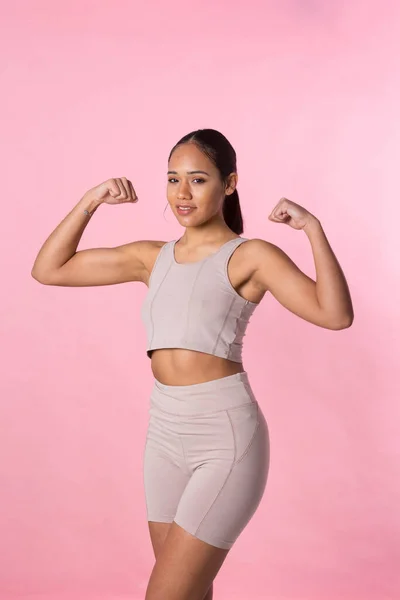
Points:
(197, 179)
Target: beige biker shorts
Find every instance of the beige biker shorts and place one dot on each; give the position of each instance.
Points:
(206, 457)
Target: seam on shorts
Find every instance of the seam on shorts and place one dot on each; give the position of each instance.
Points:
(237, 461)
(240, 406)
(184, 456)
(250, 444)
(159, 519)
(234, 461)
(221, 488)
(204, 413)
(250, 391)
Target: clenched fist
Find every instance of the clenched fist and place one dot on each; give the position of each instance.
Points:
(113, 191)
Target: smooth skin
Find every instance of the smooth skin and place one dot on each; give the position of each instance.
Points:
(185, 566)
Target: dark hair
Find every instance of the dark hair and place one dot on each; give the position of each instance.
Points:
(222, 154)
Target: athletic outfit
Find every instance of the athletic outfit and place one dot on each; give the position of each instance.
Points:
(206, 457)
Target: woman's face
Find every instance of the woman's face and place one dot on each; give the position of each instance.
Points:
(194, 181)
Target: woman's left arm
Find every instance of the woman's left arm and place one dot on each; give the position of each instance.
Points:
(325, 302)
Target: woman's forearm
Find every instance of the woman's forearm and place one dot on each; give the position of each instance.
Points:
(332, 290)
(62, 243)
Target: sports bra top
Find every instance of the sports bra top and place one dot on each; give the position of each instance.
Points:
(194, 305)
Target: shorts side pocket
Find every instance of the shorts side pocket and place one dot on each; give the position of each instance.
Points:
(244, 422)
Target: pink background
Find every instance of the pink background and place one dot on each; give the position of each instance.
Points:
(308, 93)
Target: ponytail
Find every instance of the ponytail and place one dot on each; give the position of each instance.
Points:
(232, 213)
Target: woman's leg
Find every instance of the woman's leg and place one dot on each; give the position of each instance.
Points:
(158, 534)
(185, 568)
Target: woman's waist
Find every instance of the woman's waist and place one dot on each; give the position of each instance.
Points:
(180, 366)
(201, 399)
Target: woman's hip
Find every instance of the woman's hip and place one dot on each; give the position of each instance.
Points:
(213, 421)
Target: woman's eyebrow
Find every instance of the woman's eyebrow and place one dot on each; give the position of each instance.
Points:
(188, 172)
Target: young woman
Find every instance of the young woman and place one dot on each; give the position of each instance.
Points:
(206, 457)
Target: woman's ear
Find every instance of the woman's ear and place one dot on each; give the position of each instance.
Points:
(232, 184)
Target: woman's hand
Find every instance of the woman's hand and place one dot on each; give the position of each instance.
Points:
(113, 191)
(291, 213)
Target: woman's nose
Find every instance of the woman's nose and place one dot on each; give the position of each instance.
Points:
(183, 191)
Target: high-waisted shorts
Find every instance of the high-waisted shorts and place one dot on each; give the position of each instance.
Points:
(206, 457)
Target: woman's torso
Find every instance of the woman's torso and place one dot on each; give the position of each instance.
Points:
(179, 366)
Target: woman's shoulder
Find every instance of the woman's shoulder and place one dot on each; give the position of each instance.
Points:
(256, 253)
(256, 247)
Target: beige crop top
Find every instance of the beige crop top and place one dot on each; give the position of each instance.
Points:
(194, 305)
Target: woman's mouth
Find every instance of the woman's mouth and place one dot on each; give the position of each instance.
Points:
(185, 210)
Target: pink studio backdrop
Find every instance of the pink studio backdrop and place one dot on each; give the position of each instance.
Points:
(308, 94)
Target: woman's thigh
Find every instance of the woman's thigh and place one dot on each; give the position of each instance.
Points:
(158, 535)
(185, 568)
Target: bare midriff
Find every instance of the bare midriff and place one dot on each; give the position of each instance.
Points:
(178, 366)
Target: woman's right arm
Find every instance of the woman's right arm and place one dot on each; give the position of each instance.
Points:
(59, 263)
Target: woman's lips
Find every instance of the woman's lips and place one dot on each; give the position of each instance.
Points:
(185, 211)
